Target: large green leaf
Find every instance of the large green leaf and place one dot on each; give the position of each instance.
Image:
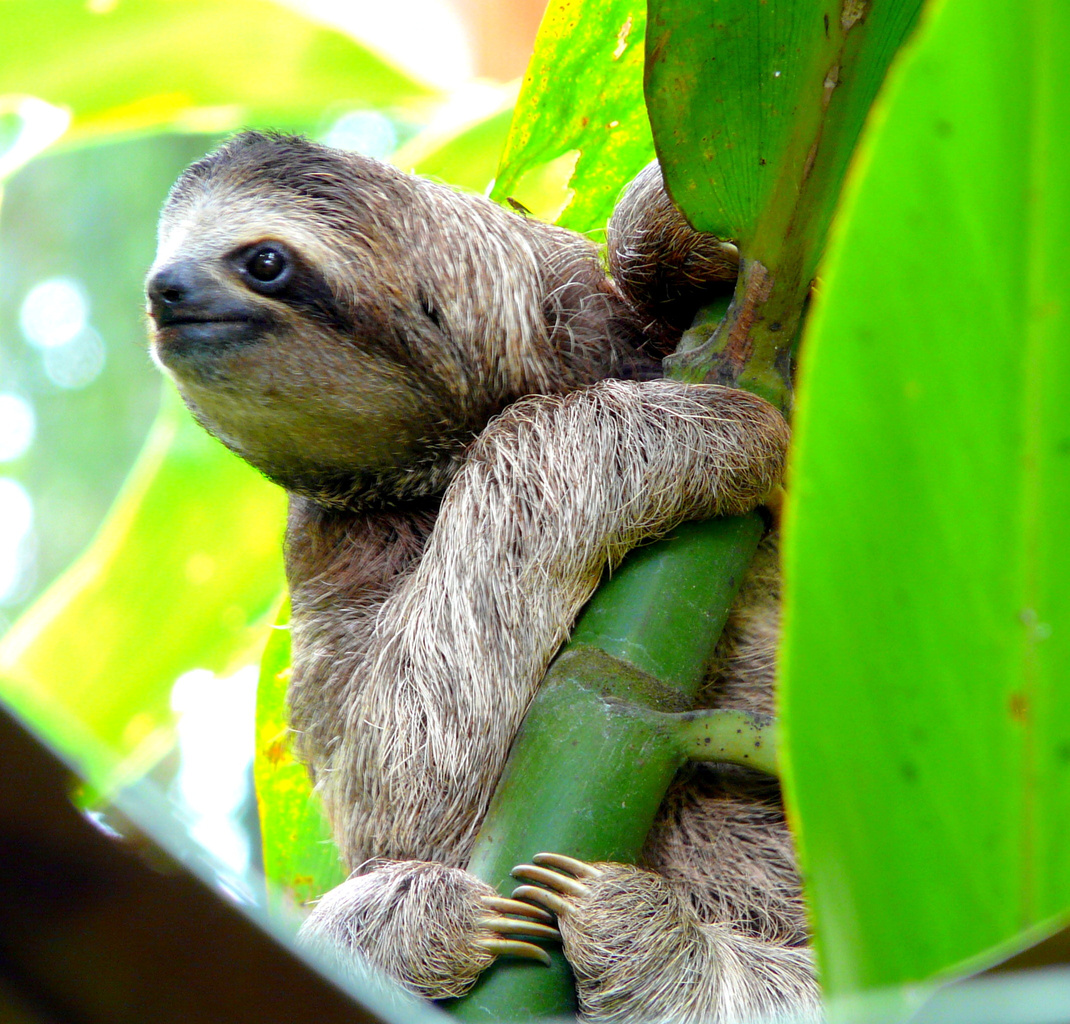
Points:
(756, 108)
(928, 644)
(199, 65)
(757, 99)
(580, 131)
(171, 583)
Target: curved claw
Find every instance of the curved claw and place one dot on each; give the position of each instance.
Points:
(510, 926)
(514, 947)
(543, 897)
(501, 905)
(554, 879)
(580, 868)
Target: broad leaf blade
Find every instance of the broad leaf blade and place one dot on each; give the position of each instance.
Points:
(756, 109)
(928, 640)
(168, 585)
(729, 81)
(581, 116)
(750, 100)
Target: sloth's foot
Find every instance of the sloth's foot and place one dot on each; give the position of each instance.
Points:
(637, 949)
(563, 878)
(506, 917)
(640, 953)
(433, 928)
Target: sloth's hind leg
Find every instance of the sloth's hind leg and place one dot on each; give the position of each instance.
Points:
(641, 954)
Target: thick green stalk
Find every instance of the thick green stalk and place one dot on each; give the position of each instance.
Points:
(607, 733)
(663, 610)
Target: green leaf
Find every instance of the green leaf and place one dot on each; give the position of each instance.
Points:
(200, 65)
(750, 101)
(756, 110)
(580, 131)
(300, 858)
(168, 585)
(928, 642)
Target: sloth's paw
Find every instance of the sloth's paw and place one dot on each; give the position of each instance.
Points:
(635, 946)
(433, 928)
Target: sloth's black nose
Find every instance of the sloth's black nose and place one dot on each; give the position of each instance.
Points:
(172, 284)
(176, 291)
(169, 286)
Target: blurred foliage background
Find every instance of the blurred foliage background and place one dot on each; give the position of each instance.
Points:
(101, 106)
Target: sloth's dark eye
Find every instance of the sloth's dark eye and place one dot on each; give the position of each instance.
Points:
(267, 267)
(266, 264)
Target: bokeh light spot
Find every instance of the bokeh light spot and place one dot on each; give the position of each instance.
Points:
(16, 509)
(366, 131)
(54, 312)
(16, 522)
(28, 125)
(17, 426)
(78, 362)
(215, 740)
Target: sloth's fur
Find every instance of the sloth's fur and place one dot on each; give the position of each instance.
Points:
(665, 268)
(444, 531)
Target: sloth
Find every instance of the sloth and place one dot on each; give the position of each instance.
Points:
(467, 413)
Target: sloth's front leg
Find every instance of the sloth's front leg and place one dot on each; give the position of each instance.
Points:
(641, 954)
(431, 927)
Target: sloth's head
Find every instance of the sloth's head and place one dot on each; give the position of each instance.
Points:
(347, 328)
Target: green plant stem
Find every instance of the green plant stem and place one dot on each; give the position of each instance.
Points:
(751, 347)
(601, 742)
(728, 736)
(664, 609)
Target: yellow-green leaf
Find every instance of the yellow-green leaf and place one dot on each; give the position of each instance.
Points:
(200, 65)
(580, 132)
(300, 858)
(181, 576)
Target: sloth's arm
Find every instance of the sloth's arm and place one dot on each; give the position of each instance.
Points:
(553, 490)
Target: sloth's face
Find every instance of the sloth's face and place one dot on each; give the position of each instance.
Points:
(297, 372)
(348, 329)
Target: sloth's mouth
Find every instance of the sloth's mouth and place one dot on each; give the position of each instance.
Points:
(164, 317)
(184, 340)
(182, 321)
(196, 308)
